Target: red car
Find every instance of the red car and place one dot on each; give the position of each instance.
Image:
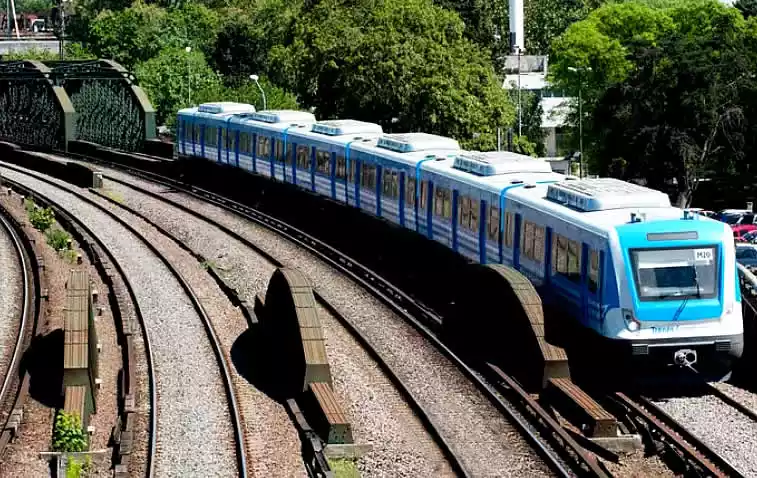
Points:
(741, 229)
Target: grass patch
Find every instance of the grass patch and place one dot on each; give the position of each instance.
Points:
(57, 239)
(69, 255)
(208, 264)
(344, 468)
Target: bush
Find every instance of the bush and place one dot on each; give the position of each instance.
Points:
(68, 435)
(40, 218)
(73, 468)
(58, 239)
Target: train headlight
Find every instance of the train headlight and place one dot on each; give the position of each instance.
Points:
(631, 323)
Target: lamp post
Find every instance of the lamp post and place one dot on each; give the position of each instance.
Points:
(580, 118)
(255, 78)
(189, 75)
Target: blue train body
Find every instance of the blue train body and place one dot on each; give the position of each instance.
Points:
(629, 267)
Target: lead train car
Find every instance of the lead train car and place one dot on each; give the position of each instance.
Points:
(641, 277)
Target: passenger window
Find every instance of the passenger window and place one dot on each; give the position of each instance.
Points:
(559, 254)
(424, 194)
(441, 203)
(368, 176)
(594, 271)
(539, 238)
(211, 140)
(279, 152)
(390, 184)
(463, 211)
(303, 157)
(410, 192)
(527, 239)
(264, 147)
(509, 229)
(493, 224)
(224, 139)
(341, 167)
(322, 161)
(574, 261)
(353, 166)
(196, 133)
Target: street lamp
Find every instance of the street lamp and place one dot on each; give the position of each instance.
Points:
(580, 118)
(189, 74)
(255, 78)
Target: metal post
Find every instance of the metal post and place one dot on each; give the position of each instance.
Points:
(189, 75)
(580, 129)
(8, 17)
(499, 139)
(520, 108)
(62, 30)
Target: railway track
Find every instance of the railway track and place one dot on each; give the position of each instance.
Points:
(19, 305)
(697, 458)
(563, 455)
(173, 448)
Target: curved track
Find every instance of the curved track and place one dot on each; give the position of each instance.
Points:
(172, 455)
(11, 394)
(563, 455)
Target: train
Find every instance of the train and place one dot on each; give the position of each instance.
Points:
(654, 284)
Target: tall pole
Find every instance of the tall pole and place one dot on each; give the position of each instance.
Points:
(520, 107)
(62, 30)
(189, 75)
(580, 129)
(8, 17)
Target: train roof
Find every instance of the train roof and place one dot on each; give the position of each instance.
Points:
(221, 109)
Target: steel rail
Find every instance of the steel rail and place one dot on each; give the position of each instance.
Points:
(732, 402)
(63, 214)
(26, 309)
(425, 417)
(402, 304)
(197, 305)
(693, 449)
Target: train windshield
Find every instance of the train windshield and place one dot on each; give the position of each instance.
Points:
(664, 274)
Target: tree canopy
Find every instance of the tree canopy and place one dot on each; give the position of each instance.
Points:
(665, 90)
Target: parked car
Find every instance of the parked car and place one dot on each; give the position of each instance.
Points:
(735, 216)
(741, 229)
(746, 255)
(749, 237)
(703, 212)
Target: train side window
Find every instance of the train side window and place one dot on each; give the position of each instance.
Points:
(424, 194)
(594, 270)
(539, 238)
(527, 239)
(574, 261)
(559, 254)
(341, 167)
(264, 147)
(224, 139)
(322, 161)
(410, 191)
(196, 133)
(353, 166)
(463, 211)
(443, 203)
(368, 176)
(303, 157)
(390, 184)
(493, 224)
(509, 229)
(211, 140)
(279, 152)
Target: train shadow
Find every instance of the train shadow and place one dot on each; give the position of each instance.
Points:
(43, 362)
(257, 359)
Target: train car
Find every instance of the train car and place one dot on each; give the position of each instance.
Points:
(645, 282)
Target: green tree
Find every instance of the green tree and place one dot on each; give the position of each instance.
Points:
(678, 116)
(138, 33)
(748, 8)
(403, 64)
(545, 20)
(169, 77)
(33, 6)
(73, 51)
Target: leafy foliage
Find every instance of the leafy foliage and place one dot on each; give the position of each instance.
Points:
(58, 239)
(403, 64)
(72, 51)
(33, 6)
(140, 32)
(68, 434)
(74, 468)
(680, 113)
(40, 218)
(748, 8)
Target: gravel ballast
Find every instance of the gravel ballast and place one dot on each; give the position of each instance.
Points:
(194, 434)
(724, 429)
(488, 444)
(11, 298)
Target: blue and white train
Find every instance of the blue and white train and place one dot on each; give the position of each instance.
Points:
(656, 280)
